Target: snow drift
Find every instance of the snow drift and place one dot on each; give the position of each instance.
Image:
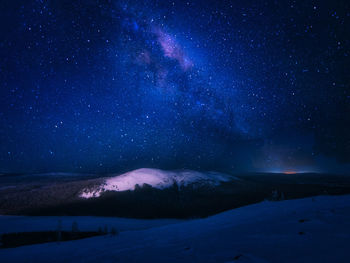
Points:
(314, 229)
(156, 178)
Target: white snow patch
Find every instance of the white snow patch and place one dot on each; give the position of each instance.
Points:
(158, 179)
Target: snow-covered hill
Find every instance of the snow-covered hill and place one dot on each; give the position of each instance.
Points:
(304, 230)
(156, 178)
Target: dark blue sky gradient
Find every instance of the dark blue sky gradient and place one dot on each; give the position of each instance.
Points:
(109, 86)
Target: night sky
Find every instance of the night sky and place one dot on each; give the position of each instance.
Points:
(110, 86)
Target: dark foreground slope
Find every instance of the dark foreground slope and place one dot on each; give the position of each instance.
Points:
(303, 230)
(62, 197)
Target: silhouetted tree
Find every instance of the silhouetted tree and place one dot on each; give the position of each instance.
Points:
(75, 228)
(59, 230)
(114, 231)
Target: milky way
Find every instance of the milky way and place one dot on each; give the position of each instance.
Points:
(109, 86)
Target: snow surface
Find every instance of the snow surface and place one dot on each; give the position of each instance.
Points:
(304, 230)
(156, 178)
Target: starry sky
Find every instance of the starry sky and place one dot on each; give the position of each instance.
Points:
(110, 86)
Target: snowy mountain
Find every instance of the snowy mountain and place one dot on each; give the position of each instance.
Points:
(161, 194)
(158, 179)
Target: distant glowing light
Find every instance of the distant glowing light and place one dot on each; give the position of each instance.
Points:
(294, 170)
(290, 172)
